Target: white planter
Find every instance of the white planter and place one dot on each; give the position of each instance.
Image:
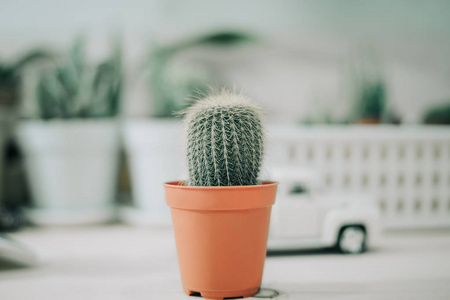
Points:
(155, 153)
(72, 169)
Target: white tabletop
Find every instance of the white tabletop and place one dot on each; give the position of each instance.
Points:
(120, 262)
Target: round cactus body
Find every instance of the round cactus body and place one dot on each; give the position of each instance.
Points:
(225, 141)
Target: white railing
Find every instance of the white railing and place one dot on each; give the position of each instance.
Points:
(407, 168)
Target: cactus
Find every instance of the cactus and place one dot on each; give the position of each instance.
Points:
(225, 141)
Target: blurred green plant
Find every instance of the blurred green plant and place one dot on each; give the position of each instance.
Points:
(10, 75)
(437, 115)
(368, 88)
(11, 217)
(171, 90)
(321, 111)
(77, 89)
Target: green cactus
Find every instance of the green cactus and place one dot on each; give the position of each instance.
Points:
(225, 141)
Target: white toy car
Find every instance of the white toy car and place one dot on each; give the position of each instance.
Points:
(305, 216)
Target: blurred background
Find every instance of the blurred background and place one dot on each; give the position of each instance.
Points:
(295, 67)
(355, 92)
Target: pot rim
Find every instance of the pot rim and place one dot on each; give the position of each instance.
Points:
(178, 184)
(223, 198)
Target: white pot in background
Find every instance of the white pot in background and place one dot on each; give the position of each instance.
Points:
(72, 169)
(155, 153)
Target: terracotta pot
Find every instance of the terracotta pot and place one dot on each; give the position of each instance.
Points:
(221, 237)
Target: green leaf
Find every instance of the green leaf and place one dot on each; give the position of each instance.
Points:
(77, 89)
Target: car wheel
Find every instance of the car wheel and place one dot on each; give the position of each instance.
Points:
(352, 240)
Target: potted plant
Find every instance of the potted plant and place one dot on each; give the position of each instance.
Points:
(71, 151)
(367, 89)
(152, 147)
(437, 114)
(10, 84)
(221, 214)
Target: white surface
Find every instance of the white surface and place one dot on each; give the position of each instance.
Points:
(136, 216)
(13, 252)
(82, 216)
(72, 169)
(118, 262)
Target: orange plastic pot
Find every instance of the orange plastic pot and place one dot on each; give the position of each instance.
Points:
(221, 237)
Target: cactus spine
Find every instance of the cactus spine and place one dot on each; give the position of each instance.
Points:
(225, 141)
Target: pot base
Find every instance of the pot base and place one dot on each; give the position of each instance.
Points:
(219, 295)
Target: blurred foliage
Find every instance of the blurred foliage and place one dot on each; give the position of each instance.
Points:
(320, 113)
(437, 115)
(372, 100)
(77, 89)
(11, 218)
(368, 87)
(171, 90)
(365, 88)
(10, 74)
